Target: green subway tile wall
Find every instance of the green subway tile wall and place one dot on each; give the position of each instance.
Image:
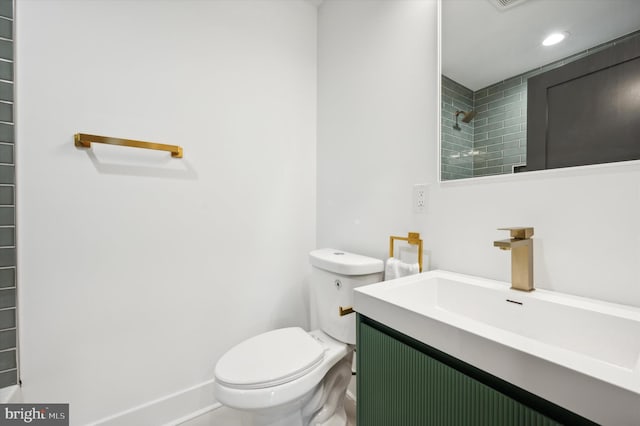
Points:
(8, 323)
(502, 114)
(456, 145)
(499, 130)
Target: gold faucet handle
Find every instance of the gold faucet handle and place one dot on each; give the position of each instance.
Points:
(519, 233)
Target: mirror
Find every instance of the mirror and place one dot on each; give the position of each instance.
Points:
(489, 50)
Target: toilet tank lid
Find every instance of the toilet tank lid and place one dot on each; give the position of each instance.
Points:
(345, 263)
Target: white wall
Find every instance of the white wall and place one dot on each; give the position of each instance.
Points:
(376, 118)
(137, 271)
(377, 137)
(586, 237)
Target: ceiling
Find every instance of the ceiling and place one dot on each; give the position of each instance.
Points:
(482, 45)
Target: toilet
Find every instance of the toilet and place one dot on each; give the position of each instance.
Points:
(293, 377)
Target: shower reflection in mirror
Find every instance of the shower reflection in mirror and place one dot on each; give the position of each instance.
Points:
(484, 128)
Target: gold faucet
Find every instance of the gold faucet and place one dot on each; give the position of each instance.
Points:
(521, 246)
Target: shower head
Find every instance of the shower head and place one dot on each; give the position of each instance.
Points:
(468, 116)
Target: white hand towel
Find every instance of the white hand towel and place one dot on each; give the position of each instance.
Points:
(408, 269)
(391, 269)
(414, 268)
(395, 268)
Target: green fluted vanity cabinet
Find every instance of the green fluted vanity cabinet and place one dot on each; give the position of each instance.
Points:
(402, 382)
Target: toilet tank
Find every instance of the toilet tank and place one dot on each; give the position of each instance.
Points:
(334, 275)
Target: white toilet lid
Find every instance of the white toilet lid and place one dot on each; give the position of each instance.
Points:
(269, 359)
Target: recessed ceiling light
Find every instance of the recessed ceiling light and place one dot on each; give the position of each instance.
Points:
(554, 38)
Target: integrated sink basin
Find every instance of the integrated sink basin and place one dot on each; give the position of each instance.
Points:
(579, 353)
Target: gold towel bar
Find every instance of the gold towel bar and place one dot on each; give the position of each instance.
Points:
(414, 239)
(84, 140)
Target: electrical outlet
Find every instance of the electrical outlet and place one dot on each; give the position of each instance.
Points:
(420, 198)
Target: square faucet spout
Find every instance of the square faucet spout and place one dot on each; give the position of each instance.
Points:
(521, 246)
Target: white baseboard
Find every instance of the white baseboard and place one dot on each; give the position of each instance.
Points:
(209, 409)
(169, 410)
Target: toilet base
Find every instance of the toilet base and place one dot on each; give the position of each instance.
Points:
(331, 411)
(322, 406)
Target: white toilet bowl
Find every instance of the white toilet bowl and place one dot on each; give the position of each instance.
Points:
(286, 377)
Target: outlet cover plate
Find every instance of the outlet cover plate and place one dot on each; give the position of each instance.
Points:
(420, 198)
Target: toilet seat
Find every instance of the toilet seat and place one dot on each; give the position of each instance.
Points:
(294, 390)
(270, 359)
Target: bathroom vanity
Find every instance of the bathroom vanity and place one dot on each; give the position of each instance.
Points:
(403, 381)
(450, 349)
